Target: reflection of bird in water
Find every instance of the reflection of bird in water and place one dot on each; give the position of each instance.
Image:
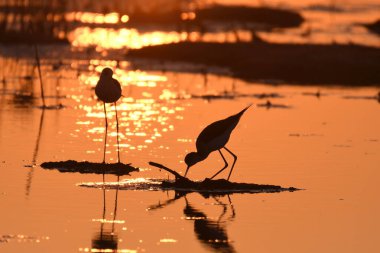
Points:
(106, 240)
(108, 90)
(210, 233)
(214, 137)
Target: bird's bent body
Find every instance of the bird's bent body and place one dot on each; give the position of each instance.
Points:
(214, 137)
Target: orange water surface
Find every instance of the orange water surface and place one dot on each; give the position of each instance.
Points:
(327, 145)
(323, 140)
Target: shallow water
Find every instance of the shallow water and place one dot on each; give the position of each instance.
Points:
(323, 140)
(328, 145)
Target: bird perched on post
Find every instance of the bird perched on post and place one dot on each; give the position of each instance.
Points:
(108, 90)
(214, 137)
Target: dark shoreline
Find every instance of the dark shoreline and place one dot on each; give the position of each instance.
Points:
(350, 65)
(374, 27)
(267, 17)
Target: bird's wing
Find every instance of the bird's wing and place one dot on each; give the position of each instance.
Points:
(219, 128)
(212, 131)
(117, 84)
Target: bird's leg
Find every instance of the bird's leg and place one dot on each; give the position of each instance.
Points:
(233, 164)
(117, 135)
(105, 135)
(225, 164)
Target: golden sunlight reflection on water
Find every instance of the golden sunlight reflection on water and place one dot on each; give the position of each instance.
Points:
(145, 109)
(109, 38)
(97, 18)
(320, 27)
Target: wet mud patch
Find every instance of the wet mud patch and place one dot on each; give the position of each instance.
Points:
(206, 187)
(219, 186)
(90, 167)
(183, 186)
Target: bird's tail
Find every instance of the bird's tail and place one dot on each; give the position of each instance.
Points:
(242, 111)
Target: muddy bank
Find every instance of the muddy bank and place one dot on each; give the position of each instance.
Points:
(89, 167)
(279, 63)
(219, 186)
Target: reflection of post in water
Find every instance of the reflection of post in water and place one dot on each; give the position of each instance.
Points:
(210, 233)
(35, 154)
(106, 240)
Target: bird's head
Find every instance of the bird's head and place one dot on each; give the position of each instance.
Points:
(106, 73)
(191, 159)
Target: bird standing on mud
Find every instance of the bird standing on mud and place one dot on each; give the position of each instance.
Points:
(214, 137)
(108, 90)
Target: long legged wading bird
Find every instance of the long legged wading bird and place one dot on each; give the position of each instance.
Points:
(215, 137)
(108, 90)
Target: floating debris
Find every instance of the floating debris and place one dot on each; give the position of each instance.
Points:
(215, 96)
(375, 97)
(269, 105)
(89, 167)
(316, 94)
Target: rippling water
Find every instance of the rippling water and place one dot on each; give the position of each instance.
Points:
(327, 145)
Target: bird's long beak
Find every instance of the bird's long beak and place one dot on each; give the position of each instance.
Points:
(188, 167)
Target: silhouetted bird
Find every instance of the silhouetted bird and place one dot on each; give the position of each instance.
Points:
(214, 137)
(108, 90)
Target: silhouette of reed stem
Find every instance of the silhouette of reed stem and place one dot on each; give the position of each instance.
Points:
(40, 74)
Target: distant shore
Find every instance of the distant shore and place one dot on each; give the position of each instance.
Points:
(374, 27)
(284, 63)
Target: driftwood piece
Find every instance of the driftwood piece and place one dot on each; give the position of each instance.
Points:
(89, 167)
(221, 186)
